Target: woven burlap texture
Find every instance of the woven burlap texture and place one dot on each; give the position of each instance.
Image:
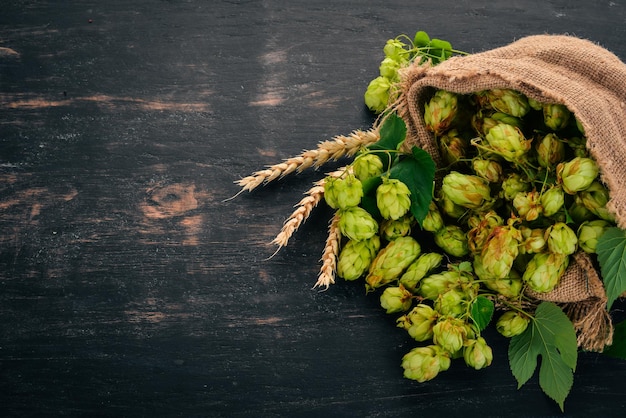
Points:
(591, 82)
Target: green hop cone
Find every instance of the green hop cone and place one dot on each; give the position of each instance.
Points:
(419, 322)
(556, 116)
(533, 240)
(577, 174)
(552, 200)
(466, 190)
(578, 212)
(425, 363)
(589, 232)
(367, 166)
(396, 50)
(452, 146)
(343, 192)
(595, 197)
(550, 150)
(500, 251)
(534, 104)
(377, 94)
(357, 224)
(452, 303)
(396, 299)
(440, 111)
(452, 240)
(391, 262)
(528, 205)
(423, 265)
(448, 207)
(477, 354)
(480, 229)
(435, 284)
(506, 101)
(509, 287)
(508, 142)
(544, 270)
(489, 170)
(393, 199)
(512, 323)
(356, 256)
(512, 184)
(389, 68)
(391, 229)
(449, 334)
(561, 239)
(433, 221)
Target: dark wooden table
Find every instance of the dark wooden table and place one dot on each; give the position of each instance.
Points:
(128, 287)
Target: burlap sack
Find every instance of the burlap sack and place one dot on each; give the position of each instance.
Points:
(591, 82)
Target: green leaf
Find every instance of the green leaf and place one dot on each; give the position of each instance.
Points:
(392, 133)
(550, 335)
(442, 49)
(481, 312)
(421, 39)
(418, 173)
(611, 250)
(618, 348)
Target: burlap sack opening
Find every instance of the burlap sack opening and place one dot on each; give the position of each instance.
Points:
(591, 82)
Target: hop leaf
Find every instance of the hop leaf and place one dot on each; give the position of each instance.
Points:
(550, 335)
(611, 250)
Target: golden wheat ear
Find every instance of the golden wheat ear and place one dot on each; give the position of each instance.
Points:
(330, 255)
(331, 150)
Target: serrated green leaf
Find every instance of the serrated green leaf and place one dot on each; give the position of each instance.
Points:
(392, 133)
(418, 173)
(550, 335)
(618, 348)
(611, 250)
(441, 48)
(481, 312)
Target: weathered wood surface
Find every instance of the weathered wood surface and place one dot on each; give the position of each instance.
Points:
(128, 287)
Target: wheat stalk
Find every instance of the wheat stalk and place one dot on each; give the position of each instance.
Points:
(330, 150)
(329, 256)
(303, 210)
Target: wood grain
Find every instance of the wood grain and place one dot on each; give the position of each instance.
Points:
(130, 287)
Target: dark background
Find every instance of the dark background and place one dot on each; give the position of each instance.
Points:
(129, 288)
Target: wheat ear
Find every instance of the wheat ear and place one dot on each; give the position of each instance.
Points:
(329, 256)
(303, 210)
(331, 150)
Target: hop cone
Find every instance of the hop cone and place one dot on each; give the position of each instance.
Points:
(595, 197)
(509, 287)
(419, 269)
(356, 257)
(367, 166)
(440, 111)
(344, 192)
(533, 240)
(513, 184)
(419, 322)
(435, 284)
(391, 229)
(506, 101)
(528, 205)
(377, 94)
(555, 116)
(550, 151)
(433, 221)
(425, 363)
(481, 228)
(508, 141)
(577, 174)
(589, 232)
(500, 251)
(489, 170)
(512, 323)
(393, 199)
(552, 200)
(477, 354)
(561, 239)
(452, 147)
(452, 303)
(396, 299)
(544, 271)
(468, 191)
(357, 224)
(452, 240)
(449, 334)
(391, 261)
